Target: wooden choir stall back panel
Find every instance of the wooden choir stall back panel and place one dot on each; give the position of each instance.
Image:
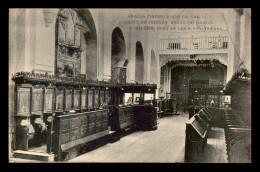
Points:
(90, 99)
(48, 100)
(23, 101)
(37, 101)
(76, 100)
(101, 96)
(22, 114)
(84, 99)
(96, 99)
(59, 100)
(68, 99)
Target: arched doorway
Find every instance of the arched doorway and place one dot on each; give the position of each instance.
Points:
(153, 69)
(118, 48)
(139, 63)
(118, 51)
(76, 44)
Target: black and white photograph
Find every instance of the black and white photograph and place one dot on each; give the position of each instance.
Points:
(129, 85)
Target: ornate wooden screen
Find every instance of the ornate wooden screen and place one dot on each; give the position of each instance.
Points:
(59, 100)
(84, 99)
(23, 101)
(68, 99)
(76, 99)
(90, 99)
(101, 97)
(68, 43)
(48, 100)
(118, 75)
(96, 99)
(37, 101)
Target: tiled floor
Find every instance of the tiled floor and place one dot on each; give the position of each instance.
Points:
(166, 144)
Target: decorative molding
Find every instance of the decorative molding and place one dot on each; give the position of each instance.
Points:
(49, 16)
(240, 11)
(78, 81)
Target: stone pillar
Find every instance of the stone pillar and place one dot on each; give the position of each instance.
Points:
(169, 80)
(165, 80)
(242, 35)
(27, 49)
(45, 40)
(146, 57)
(247, 39)
(107, 48)
(91, 60)
(131, 56)
(13, 14)
(231, 55)
(101, 45)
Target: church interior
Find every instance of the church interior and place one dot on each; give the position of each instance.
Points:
(129, 85)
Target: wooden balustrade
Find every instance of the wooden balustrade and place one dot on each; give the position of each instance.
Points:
(194, 43)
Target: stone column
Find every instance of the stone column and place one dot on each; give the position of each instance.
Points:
(242, 35)
(146, 57)
(13, 14)
(101, 45)
(27, 49)
(45, 40)
(247, 39)
(231, 55)
(107, 48)
(169, 80)
(131, 56)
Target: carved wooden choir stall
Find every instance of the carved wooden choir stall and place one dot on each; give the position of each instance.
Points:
(60, 115)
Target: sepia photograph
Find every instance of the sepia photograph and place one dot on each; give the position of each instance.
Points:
(129, 85)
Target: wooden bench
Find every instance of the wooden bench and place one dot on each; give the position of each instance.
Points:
(73, 130)
(196, 138)
(238, 138)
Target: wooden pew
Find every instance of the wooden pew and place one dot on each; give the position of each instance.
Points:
(238, 138)
(205, 117)
(196, 139)
(73, 130)
(140, 116)
(217, 116)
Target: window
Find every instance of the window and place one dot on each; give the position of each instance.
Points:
(195, 45)
(174, 46)
(225, 45)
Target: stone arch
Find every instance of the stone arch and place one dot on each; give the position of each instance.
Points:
(118, 48)
(139, 63)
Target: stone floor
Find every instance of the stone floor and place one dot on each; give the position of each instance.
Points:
(166, 144)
